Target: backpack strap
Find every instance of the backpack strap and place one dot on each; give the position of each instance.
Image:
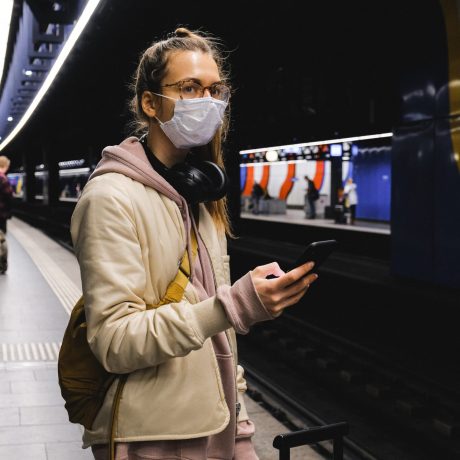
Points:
(116, 405)
(176, 288)
(174, 293)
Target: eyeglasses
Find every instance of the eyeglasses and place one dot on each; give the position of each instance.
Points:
(190, 89)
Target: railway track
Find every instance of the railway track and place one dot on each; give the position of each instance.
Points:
(293, 414)
(393, 413)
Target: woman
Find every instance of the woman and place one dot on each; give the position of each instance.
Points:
(6, 193)
(351, 194)
(184, 394)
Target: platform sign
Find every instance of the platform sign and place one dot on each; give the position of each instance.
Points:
(17, 182)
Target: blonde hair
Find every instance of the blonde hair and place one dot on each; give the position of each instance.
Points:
(148, 76)
(4, 162)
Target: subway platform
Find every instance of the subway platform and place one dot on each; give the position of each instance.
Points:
(37, 294)
(297, 217)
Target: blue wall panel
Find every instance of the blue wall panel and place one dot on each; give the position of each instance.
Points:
(412, 206)
(372, 175)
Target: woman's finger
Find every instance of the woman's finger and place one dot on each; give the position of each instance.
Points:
(290, 301)
(299, 285)
(293, 296)
(293, 275)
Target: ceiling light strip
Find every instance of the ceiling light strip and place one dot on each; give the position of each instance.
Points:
(67, 48)
(6, 13)
(309, 144)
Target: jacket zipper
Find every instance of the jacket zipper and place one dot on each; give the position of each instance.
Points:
(238, 405)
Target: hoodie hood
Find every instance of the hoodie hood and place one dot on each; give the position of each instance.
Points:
(129, 159)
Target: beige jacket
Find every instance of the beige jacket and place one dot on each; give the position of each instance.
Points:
(129, 239)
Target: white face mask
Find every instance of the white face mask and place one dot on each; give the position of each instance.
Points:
(195, 121)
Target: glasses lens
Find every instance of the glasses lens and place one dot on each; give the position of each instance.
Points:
(190, 90)
(220, 91)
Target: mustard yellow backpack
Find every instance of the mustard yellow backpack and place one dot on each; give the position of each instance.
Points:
(83, 380)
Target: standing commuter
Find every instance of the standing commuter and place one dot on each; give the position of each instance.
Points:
(256, 194)
(311, 196)
(351, 194)
(149, 200)
(6, 193)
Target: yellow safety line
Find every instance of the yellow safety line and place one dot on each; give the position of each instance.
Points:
(63, 287)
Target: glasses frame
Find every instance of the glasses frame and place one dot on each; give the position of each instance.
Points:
(180, 83)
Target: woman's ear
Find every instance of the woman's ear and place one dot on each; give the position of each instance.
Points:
(148, 104)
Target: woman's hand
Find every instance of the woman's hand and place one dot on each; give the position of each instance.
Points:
(286, 290)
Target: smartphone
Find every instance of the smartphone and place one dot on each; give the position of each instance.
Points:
(316, 252)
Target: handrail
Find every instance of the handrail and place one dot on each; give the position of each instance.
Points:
(335, 431)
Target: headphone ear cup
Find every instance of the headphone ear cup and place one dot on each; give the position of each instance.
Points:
(199, 181)
(216, 177)
(190, 182)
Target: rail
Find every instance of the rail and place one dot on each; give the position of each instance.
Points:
(335, 432)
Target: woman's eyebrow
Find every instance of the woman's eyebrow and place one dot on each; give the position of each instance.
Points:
(197, 80)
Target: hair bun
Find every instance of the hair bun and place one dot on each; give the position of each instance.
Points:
(182, 32)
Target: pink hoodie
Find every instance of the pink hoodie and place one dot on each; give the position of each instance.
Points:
(240, 301)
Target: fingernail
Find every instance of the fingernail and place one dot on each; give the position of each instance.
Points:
(312, 264)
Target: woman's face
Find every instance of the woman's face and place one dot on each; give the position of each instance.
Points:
(185, 65)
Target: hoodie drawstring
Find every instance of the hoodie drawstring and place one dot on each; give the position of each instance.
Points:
(188, 223)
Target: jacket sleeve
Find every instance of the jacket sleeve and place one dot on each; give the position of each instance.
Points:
(243, 305)
(122, 333)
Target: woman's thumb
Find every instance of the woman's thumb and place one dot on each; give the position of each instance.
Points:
(269, 269)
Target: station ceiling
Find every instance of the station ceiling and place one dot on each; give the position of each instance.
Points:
(299, 75)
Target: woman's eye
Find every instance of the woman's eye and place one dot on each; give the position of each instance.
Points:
(189, 89)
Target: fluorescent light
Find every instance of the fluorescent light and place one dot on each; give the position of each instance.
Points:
(66, 49)
(307, 144)
(6, 11)
(71, 163)
(336, 150)
(271, 155)
(71, 172)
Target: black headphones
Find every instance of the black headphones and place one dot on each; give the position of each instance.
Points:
(196, 180)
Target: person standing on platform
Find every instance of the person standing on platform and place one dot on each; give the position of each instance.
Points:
(351, 194)
(152, 202)
(6, 193)
(256, 194)
(311, 196)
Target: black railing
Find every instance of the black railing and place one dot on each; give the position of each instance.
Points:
(313, 435)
